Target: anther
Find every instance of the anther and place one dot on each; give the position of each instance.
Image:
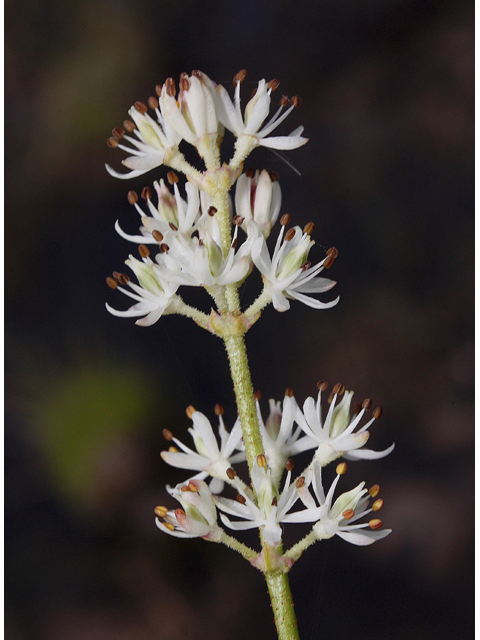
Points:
(357, 408)
(197, 73)
(179, 513)
(129, 126)
(300, 482)
(338, 389)
(172, 226)
(367, 403)
(332, 252)
(121, 278)
(289, 392)
(285, 219)
(141, 107)
(295, 101)
(143, 250)
(185, 488)
(331, 398)
(257, 395)
(173, 449)
(146, 193)
(158, 89)
(240, 498)
(193, 486)
(169, 526)
(374, 491)
(273, 176)
(240, 76)
(118, 133)
(377, 413)
(253, 94)
(190, 410)
(161, 511)
(157, 236)
(234, 243)
(111, 283)
(167, 434)
(274, 501)
(231, 473)
(328, 262)
(261, 461)
(250, 172)
(164, 247)
(322, 385)
(307, 265)
(219, 410)
(377, 505)
(170, 86)
(273, 84)
(212, 211)
(172, 177)
(112, 143)
(375, 523)
(289, 465)
(132, 197)
(152, 103)
(348, 514)
(341, 468)
(284, 101)
(290, 235)
(309, 228)
(238, 220)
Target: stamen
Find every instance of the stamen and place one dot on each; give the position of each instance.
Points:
(129, 126)
(190, 410)
(328, 263)
(348, 514)
(261, 461)
(161, 511)
(238, 220)
(289, 392)
(357, 408)
(112, 143)
(274, 501)
(170, 86)
(111, 283)
(234, 243)
(295, 101)
(172, 226)
(158, 89)
(167, 434)
(290, 235)
(231, 473)
(152, 103)
(338, 389)
(146, 193)
(330, 398)
(284, 101)
(118, 133)
(184, 83)
(173, 449)
(240, 76)
(306, 266)
(250, 172)
(219, 410)
(185, 488)
(377, 505)
(273, 84)
(240, 499)
(169, 526)
(257, 395)
(375, 523)
(212, 211)
(143, 250)
(377, 413)
(197, 73)
(193, 486)
(273, 176)
(164, 247)
(322, 385)
(332, 252)
(132, 197)
(367, 403)
(179, 512)
(253, 94)
(157, 235)
(121, 278)
(300, 482)
(289, 465)
(341, 468)
(141, 107)
(309, 228)
(374, 491)
(172, 177)
(285, 219)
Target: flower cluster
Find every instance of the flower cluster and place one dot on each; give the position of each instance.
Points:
(193, 239)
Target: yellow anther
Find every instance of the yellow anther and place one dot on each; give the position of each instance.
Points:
(261, 460)
(190, 410)
(348, 514)
(161, 511)
(173, 449)
(341, 468)
(375, 523)
(377, 505)
(169, 526)
(374, 491)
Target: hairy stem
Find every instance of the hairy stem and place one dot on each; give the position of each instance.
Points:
(282, 605)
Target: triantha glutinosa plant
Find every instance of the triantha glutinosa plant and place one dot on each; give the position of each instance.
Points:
(203, 235)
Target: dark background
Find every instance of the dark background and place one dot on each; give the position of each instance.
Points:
(387, 177)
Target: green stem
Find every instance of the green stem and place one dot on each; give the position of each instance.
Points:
(282, 605)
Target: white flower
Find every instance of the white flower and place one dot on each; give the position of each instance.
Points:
(256, 112)
(339, 518)
(198, 518)
(336, 435)
(154, 139)
(280, 440)
(287, 274)
(209, 458)
(271, 509)
(155, 296)
(258, 198)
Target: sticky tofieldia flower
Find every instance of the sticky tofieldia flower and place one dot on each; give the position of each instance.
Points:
(248, 129)
(197, 518)
(272, 507)
(155, 296)
(339, 518)
(209, 459)
(154, 140)
(258, 197)
(336, 435)
(288, 274)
